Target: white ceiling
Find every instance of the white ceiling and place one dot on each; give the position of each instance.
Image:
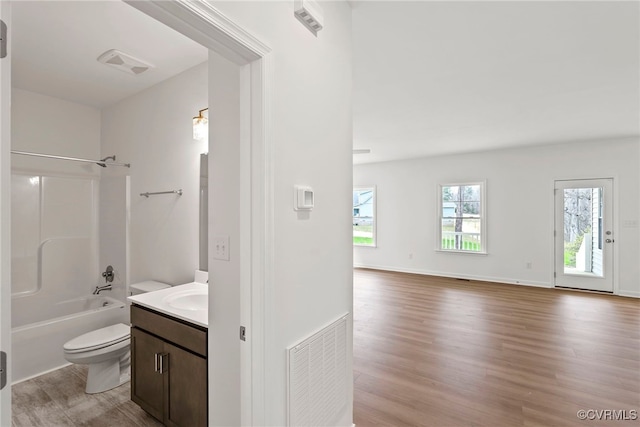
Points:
(433, 78)
(430, 78)
(55, 45)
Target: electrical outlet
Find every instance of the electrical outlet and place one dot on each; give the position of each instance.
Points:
(221, 248)
(528, 265)
(410, 256)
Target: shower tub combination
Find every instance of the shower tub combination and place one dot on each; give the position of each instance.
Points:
(41, 328)
(54, 270)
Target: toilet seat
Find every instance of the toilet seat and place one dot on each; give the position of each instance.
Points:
(98, 339)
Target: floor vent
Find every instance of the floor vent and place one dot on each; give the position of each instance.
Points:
(317, 377)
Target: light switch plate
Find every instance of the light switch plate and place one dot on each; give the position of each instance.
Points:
(302, 198)
(221, 248)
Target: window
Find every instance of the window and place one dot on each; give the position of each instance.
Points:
(462, 217)
(364, 213)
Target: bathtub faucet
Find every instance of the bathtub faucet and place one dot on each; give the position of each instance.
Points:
(108, 274)
(102, 288)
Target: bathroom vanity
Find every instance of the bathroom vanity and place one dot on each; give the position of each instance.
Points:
(169, 354)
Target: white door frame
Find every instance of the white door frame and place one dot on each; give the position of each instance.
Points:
(610, 262)
(5, 216)
(207, 26)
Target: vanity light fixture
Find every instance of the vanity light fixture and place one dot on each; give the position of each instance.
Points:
(200, 126)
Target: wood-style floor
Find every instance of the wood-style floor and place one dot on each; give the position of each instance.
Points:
(441, 352)
(438, 352)
(57, 399)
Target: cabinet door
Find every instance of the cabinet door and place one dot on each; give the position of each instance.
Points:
(146, 383)
(186, 386)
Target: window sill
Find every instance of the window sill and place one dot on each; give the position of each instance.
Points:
(364, 246)
(448, 251)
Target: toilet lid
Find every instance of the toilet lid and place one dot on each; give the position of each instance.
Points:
(99, 338)
(149, 286)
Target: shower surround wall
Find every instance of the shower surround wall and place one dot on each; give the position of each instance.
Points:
(54, 241)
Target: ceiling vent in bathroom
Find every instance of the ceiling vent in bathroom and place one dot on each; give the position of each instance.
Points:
(124, 62)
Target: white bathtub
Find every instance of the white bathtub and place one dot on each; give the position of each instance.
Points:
(37, 342)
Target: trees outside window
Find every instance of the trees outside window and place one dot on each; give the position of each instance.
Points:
(462, 217)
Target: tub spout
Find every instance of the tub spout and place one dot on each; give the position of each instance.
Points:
(102, 288)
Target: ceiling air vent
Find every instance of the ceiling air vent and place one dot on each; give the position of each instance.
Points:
(309, 13)
(124, 62)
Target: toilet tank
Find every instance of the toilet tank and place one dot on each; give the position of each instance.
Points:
(146, 286)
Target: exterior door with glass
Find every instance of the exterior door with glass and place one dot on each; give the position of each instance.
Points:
(584, 240)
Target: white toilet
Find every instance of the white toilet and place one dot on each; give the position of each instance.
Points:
(106, 350)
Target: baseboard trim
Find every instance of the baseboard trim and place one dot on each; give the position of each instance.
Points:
(458, 276)
(626, 294)
(40, 373)
(629, 294)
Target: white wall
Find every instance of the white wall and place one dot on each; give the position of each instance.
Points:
(224, 219)
(519, 210)
(311, 120)
(152, 130)
(47, 125)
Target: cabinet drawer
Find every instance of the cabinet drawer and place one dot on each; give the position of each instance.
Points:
(182, 334)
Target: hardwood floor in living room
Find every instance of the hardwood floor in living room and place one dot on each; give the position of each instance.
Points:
(432, 351)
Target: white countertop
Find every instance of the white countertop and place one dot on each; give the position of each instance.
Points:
(160, 302)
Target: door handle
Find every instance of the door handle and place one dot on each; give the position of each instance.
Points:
(3, 39)
(162, 364)
(156, 363)
(3, 369)
(609, 240)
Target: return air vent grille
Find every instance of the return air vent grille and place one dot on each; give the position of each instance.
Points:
(124, 62)
(317, 374)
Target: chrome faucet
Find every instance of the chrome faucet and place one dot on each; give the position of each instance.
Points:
(108, 275)
(102, 288)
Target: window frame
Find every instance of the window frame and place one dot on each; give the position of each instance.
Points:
(482, 217)
(374, 219)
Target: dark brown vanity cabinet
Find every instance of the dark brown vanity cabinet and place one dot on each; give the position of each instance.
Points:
(169, 368)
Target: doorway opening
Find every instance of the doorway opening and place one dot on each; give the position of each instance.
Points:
(584, 238)
(205, 25)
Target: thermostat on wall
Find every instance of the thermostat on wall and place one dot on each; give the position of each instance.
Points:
(303, 198)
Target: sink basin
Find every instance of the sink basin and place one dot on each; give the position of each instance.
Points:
(193, 300)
